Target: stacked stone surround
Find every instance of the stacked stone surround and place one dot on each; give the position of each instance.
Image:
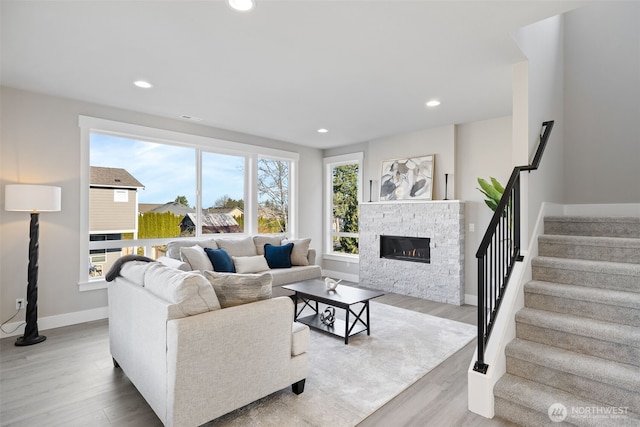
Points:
(442, 221)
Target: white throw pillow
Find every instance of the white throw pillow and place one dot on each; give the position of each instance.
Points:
(196, 257)
(250, 264)
(190, 292)
(235, 289)
(262, 240)
(300, 251)
(238, 247)
(173, 248)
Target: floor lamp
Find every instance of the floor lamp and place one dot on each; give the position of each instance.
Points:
(34, 199)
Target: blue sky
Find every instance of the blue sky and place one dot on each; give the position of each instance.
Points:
(168, 171)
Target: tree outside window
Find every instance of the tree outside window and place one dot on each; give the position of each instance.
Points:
(345, 208)
(273, 195)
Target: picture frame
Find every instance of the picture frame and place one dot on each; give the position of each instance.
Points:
(408, 178)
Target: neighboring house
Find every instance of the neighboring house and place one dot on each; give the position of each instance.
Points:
(211, 223)
(113, 210)
(234, 212)
(173, 207)
(146, 207)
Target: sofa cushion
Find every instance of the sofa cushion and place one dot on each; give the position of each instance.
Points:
(196, 257)
(299, 254)
(297, 273)
(238, 247)
(190, 292)
(173, 248)
(237, 289)
(221, 260)
(278, 256)
(262, 240)
(250, 264)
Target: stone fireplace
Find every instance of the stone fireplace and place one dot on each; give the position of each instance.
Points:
(430, 235)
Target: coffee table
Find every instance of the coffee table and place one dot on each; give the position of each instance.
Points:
(344, 297)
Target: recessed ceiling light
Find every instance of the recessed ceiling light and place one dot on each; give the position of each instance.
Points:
(433, 103)
(323, 130)
(242, 5)
(188, 117)
(143, 84)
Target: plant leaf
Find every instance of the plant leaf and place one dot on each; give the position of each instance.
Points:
(497, 185)
(489, 190)
(492, 205)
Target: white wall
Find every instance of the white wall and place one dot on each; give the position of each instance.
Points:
(438, 141)
(539, 97)
(484, 151)
(40, 143)
(602, 103)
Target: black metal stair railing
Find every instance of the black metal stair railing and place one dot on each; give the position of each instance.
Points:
(500, 250)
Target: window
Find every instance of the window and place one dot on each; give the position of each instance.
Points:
(343, 193)
(144, 187)
(223, 185)
(273, 195)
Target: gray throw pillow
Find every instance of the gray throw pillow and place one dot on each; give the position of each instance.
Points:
(236, 289)
(300, 251)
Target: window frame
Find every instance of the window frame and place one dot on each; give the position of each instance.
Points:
(329, 164)
(201, 144)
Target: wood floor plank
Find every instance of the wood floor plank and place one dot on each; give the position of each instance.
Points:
(69, 380)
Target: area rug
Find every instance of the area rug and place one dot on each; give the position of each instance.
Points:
(347, 383)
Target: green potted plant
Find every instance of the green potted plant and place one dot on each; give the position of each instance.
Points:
(493, 191)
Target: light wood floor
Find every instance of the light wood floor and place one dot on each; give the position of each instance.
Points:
(69, 380)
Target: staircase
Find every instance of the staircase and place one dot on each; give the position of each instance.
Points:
(578, 337)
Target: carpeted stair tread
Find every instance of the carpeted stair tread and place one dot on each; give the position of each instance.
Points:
(582, 293)
(605, 331)
(602, 274)
(603, 339)
(538, 398)
(593, 303)
(619, 375)
(612, 226)
(614, 249)
(604, 296)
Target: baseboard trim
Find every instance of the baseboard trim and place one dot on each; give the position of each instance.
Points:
(58, 321)
(471, 299)
(340, 275)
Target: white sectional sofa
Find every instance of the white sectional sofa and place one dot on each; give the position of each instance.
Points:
(246, 252)
(192, 360)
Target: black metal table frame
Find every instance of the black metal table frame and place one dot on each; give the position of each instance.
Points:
(348, 331)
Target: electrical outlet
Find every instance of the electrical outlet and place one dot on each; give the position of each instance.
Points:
(19, 303)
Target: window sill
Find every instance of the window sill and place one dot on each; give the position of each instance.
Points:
(342, 258)
(92, 285)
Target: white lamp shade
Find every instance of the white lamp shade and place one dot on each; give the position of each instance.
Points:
(32, 198)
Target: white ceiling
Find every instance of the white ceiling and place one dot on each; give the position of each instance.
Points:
(362, 69)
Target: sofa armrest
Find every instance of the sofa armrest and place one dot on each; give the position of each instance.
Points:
(311, 256)
(224, 359)
(175, 263)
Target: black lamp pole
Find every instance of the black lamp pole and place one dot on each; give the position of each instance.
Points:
(31, 330)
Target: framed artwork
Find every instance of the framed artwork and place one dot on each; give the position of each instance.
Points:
(407, 178)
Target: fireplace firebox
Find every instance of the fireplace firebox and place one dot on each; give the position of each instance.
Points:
(413, 249)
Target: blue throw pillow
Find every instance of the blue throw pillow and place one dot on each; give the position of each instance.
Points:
(221, 260)
(278, 256)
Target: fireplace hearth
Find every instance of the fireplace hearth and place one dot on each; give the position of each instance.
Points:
(412, 249)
